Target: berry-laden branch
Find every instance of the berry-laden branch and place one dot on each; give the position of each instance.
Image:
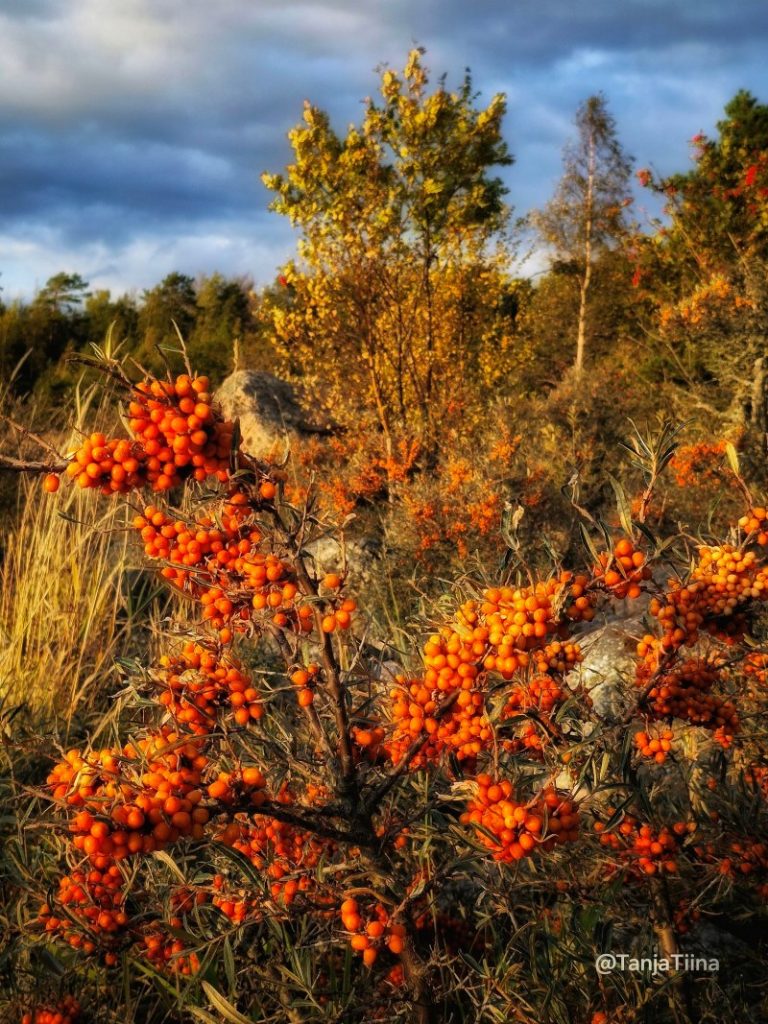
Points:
(273, 791)
(53, 467)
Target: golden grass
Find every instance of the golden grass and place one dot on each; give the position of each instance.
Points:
(69, 599)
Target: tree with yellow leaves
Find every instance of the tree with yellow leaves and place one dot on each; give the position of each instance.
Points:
(400, 297)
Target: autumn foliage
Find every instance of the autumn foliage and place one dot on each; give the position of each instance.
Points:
(326, 826)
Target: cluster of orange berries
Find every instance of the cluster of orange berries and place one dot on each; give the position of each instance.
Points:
(184, 899)
(695, 464)
(66, 1011)
(188, 545)
(645, 850)
(391, 826)
(247, 782)
(723, 582)
(305, 679)
(509, 630)
(542, 693)
(738, 858)
(521, 621)
(464, 728)
(556, 657)
(726, 577)
(197, 683)
(340, 617)
(369, 740)
(223, 566)
(755, 522)
(368, 937)
(134, 799)
(684, 693)
(180, 431)
(684, 917)
(623, 572)
(755, 667)
(115, 466)
(756, 776)
(236, 907)
(655, 745)
(518, 830)
(158, 813)
(748, 858)
(177, 435)
(94, 910)
(166, 952)
(287, 854)
(529, 739)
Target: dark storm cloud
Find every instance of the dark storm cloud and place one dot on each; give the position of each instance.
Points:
(542, 32)
(132, 134)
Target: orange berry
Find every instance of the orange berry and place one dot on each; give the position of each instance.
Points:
(369, 957)
(253, 777)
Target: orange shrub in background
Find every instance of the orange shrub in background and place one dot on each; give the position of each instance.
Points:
(306, 805)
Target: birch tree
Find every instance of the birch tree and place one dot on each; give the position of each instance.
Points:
(586, 215)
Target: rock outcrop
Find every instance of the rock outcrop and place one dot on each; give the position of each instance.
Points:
(268, 410)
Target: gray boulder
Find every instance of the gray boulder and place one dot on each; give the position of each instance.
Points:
(361, 555)
(268, 410)
(609, 662)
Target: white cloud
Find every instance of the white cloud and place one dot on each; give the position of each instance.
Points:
(230, 249)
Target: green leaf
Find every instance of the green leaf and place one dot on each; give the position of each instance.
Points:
(624, 507)
(733, 458)
(229, 966)
(165, 857)
(203, 1015)
(243, 864)
(224, 1007)
(161, 982)
(618, 814)
(649, 536)
(589, 544)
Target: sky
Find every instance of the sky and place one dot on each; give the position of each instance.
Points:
(133, 133)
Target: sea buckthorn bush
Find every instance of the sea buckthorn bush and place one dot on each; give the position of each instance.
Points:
(272, 824)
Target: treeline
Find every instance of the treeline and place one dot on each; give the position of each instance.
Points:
(212, 315)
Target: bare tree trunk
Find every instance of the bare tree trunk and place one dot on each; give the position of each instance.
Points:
(759, 395)
(429, 375)
(669, 946)
(581, 335)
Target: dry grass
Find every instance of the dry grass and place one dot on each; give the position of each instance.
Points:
(71, 602)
